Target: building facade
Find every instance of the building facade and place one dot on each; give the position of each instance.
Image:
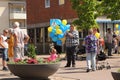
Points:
(11, 11)
(39, 13)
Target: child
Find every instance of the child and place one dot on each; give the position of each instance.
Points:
(53, 54)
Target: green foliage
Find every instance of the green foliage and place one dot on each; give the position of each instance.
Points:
(111, 8)
(87, 13)
(40, 60)
(31, 51)
(89, 10)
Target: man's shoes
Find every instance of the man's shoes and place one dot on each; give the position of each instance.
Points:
(88, 70)
(110, 55)
(5, 69)
(67, 66)
(93, 69)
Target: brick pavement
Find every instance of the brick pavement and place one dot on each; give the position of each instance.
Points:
(77, 73)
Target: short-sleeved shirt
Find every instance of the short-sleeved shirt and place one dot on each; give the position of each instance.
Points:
(91, 44)
(20, 37)
(74, 41)
(4, 38)
(109, 37)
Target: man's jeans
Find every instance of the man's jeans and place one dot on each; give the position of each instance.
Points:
(91, 60)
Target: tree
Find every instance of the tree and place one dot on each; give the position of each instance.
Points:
(89, 10)
(87, 13)
(111, 8)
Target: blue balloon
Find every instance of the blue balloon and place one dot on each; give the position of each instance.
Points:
(58, 21)
(51, 34)
(119, 27)
(59, 42)
(67, 27)
(54, 31)
(60, 36)
(51, 21)
(54, 38)
(62, 27)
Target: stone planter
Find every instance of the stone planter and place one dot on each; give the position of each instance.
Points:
(33, 71)
(116, 75)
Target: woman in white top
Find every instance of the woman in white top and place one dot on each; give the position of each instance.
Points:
(4, 48)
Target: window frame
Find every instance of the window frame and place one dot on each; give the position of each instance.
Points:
(47, 3)
(61, 3)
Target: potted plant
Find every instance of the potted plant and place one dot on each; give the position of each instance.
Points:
(33, 67)
(116, 75)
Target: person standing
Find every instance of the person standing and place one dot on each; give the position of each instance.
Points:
(109, 39)
(10, 45)
(91, 45)
(4, 49)
(58, 48)
(72, 41)
(20, 38)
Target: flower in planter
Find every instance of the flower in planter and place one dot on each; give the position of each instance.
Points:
(32, 58)
(34, 61)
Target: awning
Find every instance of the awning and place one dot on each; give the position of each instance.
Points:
(107, 21)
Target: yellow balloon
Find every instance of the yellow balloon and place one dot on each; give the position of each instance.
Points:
(58, 31)
(117, 32)
(49, 29)
(57, 27)
(116, 25)
(97, 35)
(64, 22)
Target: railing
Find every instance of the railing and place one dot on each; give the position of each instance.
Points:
(18, 11)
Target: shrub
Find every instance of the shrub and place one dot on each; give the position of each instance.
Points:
(31, 51)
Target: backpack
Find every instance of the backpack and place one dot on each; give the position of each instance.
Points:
(101, 56)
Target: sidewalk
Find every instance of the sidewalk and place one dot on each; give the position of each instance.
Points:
(77, 73)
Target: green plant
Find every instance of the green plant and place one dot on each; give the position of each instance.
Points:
(31, 51)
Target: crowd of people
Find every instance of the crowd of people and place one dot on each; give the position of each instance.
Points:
(13, 41)
(12, 44)
(94, 45)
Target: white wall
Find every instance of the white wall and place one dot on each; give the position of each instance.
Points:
(4, 17)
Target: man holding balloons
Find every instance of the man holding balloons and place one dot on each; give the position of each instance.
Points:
(72, 41)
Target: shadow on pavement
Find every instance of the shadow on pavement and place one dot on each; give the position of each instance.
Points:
(68, 70)
(21, 79)
(11, 79)
(73, 68)
(72, 72)
(115, 66)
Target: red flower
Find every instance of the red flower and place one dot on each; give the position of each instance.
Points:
(32, 61)
(17, 60)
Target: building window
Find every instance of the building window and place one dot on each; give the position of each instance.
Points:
(46, 35)
(31, 34)
(47, 3)
(61, 2)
